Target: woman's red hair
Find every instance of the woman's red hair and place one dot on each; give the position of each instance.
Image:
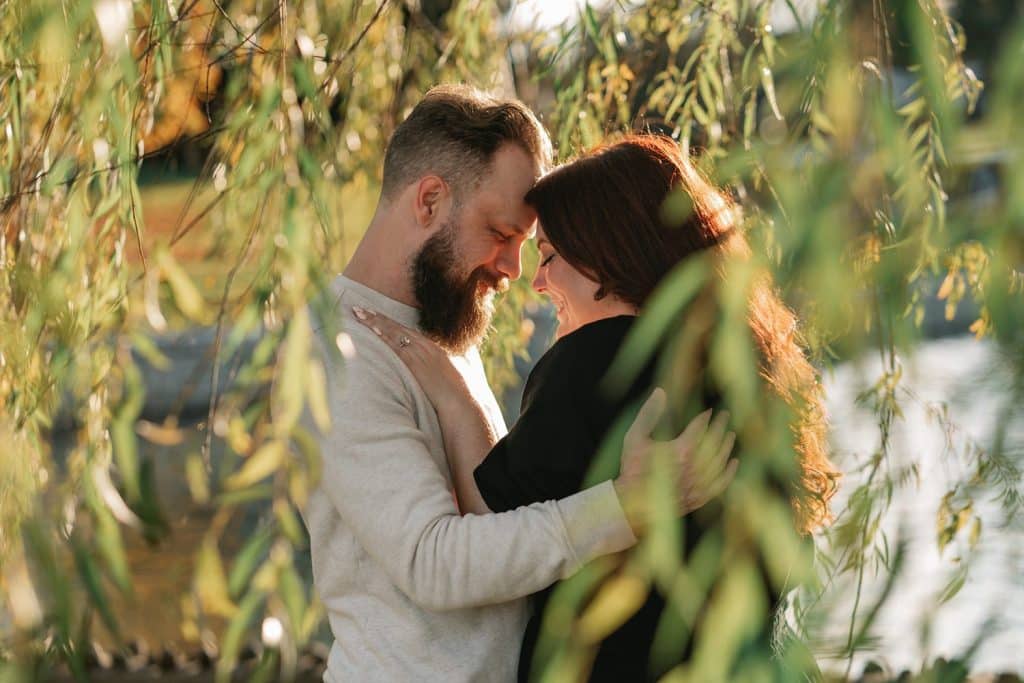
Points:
(627, 213)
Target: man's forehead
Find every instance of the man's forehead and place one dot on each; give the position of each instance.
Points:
(501, 193)
(512, 170)
(508, 207)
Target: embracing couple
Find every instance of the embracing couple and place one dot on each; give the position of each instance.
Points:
(436, 532)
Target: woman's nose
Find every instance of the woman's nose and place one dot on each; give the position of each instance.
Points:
(540, 283)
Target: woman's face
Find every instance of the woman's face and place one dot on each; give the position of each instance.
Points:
(570, 291)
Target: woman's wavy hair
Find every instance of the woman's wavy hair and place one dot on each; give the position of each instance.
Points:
(627, 213)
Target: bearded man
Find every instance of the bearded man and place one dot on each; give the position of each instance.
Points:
(413, 590)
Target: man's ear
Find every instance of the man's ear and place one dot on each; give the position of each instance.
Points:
(432, 201)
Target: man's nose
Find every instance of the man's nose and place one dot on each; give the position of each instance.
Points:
(510, 262)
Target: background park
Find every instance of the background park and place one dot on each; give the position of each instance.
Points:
(179, 179)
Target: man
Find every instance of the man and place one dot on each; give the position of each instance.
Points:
(413, 590)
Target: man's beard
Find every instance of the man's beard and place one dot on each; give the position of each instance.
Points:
(455, 310)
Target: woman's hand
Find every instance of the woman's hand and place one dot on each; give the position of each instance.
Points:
(468, 434)
(698, 459)
(427, 361)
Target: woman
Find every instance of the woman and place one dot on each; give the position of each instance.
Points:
(611, 227)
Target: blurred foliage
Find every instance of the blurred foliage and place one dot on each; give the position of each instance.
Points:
(840, 139)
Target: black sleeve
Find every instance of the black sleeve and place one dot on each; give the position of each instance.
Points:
(547, 453)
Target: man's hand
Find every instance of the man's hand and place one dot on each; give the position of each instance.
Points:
(699, 461)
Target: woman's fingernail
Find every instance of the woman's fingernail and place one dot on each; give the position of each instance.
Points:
(360, 313)
(376, 331)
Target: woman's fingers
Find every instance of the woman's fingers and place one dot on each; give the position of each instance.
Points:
(725, 450)
(726, 478)
(702, 452)
(694, 433)
(714, 449)
(715, 488)
(397, 336)
(716, 430)
(688, 447)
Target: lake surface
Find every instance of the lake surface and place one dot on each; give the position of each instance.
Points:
(972, 382)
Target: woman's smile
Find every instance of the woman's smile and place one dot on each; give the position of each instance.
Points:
(573, 294)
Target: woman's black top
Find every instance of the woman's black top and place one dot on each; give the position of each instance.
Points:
(550, 451)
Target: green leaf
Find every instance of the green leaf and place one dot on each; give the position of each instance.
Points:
(293, 373)
(92, 579)
(122, 431)
(247, 560)
(768, 85)
(953, 586)
(231, 644)
(678, 288)
(111, 548)
(244, 496)
(143, 345)
(290, 524)
(293, 595)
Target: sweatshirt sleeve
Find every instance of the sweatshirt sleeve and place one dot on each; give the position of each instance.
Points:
(379, 474)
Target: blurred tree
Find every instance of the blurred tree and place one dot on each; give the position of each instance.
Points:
(841, 166)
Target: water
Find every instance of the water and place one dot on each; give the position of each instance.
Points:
(967, 377)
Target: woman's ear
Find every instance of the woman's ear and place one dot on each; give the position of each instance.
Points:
(432, 200)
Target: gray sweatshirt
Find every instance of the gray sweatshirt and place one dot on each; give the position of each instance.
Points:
(414, 591)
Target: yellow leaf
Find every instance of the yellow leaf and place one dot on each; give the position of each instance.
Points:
(946, 288)
(195, 475)
(298, 487)
(238, 437)
(317, 394)
(617, 601)
(211, 585)
(260, 464)
(161, 435)
(188, 298)
(289, 523)
(292, 374)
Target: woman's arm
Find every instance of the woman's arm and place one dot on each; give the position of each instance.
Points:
(468, 438)
(467, 433)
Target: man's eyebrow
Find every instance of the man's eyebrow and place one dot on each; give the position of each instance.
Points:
(515, 227)
(518, 228)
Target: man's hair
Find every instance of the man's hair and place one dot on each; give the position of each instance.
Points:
(453, 133)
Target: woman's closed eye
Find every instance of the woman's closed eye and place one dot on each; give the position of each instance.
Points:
(547, 259)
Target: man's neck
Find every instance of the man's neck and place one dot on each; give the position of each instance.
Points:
(378, 265)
